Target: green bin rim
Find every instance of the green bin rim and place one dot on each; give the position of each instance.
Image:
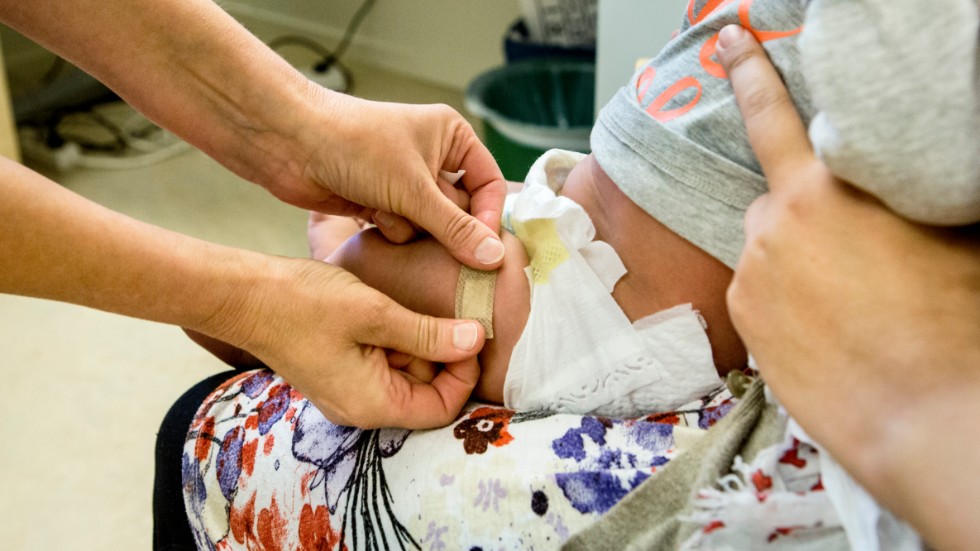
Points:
(532, 135)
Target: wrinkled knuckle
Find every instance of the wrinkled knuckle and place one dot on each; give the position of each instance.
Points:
(462, 228)
(760, 245)
(439, 113)
(735, 295)
(755, 253)
(797, 206)
(737, 58)
(426, 334)
(803, 202)
(761, 99)
(445, 111)
(460, 137)
(375, 310)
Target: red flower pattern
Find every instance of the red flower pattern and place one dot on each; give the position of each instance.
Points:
(483, 427)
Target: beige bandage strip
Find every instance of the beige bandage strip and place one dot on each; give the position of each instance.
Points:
(474, 297)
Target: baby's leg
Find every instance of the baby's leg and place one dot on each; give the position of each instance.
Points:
(422, 276)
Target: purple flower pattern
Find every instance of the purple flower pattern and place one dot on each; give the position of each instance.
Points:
(361, 495)
(607, 471)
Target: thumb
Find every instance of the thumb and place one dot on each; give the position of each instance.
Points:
(466, 238)
(426, 337)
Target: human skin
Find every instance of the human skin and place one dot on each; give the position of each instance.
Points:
(843, 302)
(193, 69)
(60, 246)
(663, 270)
(201, 74)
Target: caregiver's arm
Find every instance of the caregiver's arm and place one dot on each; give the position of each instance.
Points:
(317, 325)
(192, 68)
(866, 326)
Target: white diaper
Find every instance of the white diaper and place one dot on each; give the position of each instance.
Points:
(579, 353)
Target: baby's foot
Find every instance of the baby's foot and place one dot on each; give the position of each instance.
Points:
(326, 233)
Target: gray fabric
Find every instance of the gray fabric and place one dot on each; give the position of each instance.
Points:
(899, 118)
(649, 517)
(894, 109)
(696, 173)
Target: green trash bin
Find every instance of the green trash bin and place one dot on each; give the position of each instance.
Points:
(531, 106)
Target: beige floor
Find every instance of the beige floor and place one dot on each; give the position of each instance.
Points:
(84, 391)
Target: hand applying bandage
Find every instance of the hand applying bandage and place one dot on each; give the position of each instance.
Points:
(243, 105)
(560, 340)
(455, 193)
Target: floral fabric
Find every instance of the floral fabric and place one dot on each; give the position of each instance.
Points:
(263, 469)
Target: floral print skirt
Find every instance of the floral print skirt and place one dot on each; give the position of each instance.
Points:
(263, 469)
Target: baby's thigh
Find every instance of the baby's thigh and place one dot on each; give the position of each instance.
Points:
(422, 276)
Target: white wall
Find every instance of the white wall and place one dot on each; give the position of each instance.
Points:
(626, 31)
(447, 42)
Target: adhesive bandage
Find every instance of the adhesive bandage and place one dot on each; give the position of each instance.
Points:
(474, 297)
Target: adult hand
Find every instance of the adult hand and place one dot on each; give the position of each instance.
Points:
(321, 328)
(863, 324)
(254, 113)
(382, 162)
(358, 356)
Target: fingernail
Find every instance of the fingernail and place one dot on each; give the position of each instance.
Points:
(464, 336)
(382, 218)
(490, 251)
(729, 36)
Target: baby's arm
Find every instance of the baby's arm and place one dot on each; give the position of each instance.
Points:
(422, 276)
(895, 85)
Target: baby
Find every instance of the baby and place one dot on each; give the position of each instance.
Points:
(616, 335)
